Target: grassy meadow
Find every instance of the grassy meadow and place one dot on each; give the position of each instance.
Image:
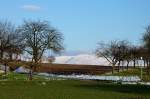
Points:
(71, 89)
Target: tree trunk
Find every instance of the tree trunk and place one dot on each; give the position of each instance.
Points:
(113, 68)
(30, 73)
(134, 63)
(5, 69)
(127, 65)
(144, 63)
(122, 65)
(10, 56)
(16, 58)
(147, 63)
(1, 54)
(119, 66)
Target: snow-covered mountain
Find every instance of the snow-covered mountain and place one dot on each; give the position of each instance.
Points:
(86, 59)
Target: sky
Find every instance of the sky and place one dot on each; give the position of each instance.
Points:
(84, 23)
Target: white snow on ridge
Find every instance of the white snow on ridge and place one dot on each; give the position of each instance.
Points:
(62, 59)
(85, 59)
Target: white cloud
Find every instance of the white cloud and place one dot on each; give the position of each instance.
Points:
(31, 7)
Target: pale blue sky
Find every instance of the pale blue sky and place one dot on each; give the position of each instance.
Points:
(84, 22)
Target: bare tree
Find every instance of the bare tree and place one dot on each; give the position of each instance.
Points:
(109, 52)
(123, 52)
(40, 36)
(146, 41)
(9, 41)
(6, 28)
(16, 45)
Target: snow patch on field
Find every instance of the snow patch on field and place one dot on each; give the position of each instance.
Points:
(95, 77)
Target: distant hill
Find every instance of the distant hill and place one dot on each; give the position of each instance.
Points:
(85, 59)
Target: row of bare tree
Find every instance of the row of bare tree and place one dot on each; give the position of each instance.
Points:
(122, 52)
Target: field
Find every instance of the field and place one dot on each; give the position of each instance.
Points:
(74, 68)
(134, 72)
(70, 89)
(67, 68)
(17, 86)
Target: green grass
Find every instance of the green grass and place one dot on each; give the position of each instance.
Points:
(133, 72)
(70, 89)
(18, 77)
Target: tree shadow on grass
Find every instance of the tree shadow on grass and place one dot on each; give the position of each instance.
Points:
(133, 89)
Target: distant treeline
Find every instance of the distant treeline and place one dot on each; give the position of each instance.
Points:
(122, 51)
